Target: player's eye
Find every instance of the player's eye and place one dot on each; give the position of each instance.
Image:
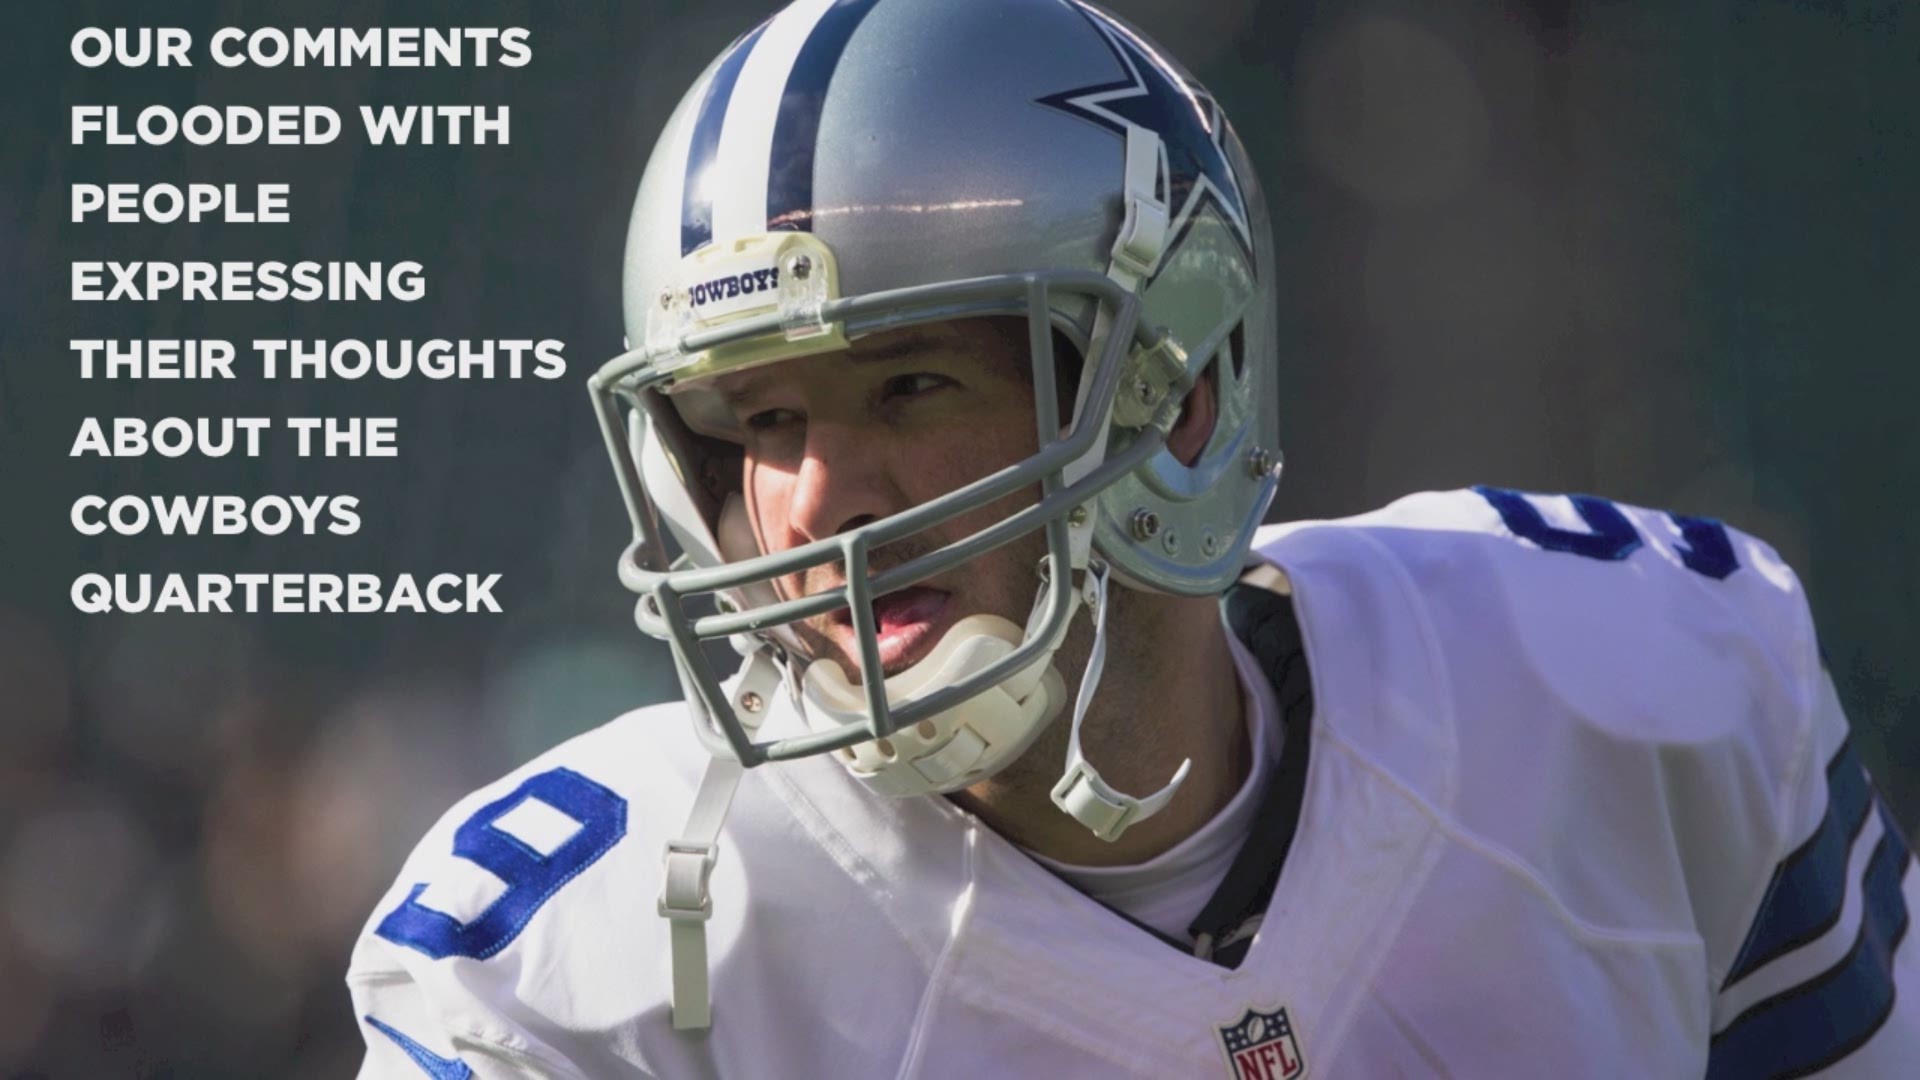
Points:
(913, 385)
(771, 419)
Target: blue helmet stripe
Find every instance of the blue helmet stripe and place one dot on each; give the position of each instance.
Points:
(790, 171)
(696, 198)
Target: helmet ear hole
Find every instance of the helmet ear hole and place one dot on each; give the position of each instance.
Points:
(1198, 417)
(1237, 343)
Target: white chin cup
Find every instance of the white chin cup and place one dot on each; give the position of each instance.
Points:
(961, 746)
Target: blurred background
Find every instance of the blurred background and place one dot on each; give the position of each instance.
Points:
(1663, 252)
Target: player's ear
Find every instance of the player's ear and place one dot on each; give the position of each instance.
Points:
(1195, 426)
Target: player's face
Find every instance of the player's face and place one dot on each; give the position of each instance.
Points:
(837, 441)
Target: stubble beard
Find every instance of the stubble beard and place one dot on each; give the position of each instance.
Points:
(1132, 663)
(999, 582)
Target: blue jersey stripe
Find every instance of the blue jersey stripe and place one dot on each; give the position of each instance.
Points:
(1815, 1024)
(696, 195)
(1810, 886)
(440, 1068)
(795, 132)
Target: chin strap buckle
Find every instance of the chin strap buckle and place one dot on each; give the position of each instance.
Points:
(683, 895)
(1143, 232)
(686, 904)
(1081, 792)
(685, 901)
(1106, 812)
(690, 858)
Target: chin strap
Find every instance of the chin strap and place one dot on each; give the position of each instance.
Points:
(684, 900)
(1081, 792)
(1136, 252)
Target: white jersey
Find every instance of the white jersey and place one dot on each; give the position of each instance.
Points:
(1579, 804)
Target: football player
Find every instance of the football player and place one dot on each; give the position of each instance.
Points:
(950, 406)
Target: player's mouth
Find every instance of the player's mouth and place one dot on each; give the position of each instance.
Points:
(907, 623)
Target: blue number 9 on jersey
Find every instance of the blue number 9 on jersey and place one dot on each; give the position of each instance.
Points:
(531, 877)
(1706, 549)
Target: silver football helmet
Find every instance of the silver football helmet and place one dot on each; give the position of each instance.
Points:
(853, 166)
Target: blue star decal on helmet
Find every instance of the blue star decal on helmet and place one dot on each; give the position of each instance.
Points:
(1154, 95)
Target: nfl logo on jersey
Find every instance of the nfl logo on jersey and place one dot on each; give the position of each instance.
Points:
(1261, 1046)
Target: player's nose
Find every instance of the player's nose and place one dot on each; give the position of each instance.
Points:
(844, 482)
